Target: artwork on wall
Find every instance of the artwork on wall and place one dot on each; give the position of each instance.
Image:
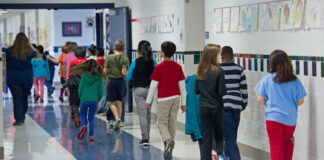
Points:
(313, 14)
(248, 18)
(235, 15)
(322, 17)
(165, 23)
(299, 6)
(287, 16)
(269, 16)
(226, 19)
(71, 29)
(218, 15)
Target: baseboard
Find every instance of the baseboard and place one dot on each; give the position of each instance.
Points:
(245, 150)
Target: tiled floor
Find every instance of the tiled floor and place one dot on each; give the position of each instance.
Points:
(49, 133)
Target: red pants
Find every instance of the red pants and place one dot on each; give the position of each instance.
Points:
(281, 139)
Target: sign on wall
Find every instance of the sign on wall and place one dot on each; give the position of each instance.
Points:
(71, 29)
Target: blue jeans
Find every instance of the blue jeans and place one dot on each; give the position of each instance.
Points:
(49, 83)
(88, 109)
(20, 100)
(231, 124)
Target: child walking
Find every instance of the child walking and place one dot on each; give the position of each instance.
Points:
(41, 73)
(139, 76)
(211, 87)
(235, 101)
(169, 80)
(281, 92)
(90, 92)
(62, 71)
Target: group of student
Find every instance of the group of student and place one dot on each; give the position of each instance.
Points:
(212, 99)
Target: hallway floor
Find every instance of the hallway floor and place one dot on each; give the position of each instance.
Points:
(49, 133)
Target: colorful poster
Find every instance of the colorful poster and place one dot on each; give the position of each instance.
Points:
(226, 19)
(218, 14)
(300, 5)
(248, 18)
(313, 14)
(165, 24)
(235, 15)
(269, 16)
(287, 15)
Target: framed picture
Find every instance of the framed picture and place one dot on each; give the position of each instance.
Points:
(71, 29)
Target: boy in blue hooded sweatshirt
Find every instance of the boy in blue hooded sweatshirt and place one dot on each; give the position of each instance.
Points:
(40, 72)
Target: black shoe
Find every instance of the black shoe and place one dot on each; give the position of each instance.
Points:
(144, 142)
(51, 91)
(169, 145)
(117, 125)
(18, 123)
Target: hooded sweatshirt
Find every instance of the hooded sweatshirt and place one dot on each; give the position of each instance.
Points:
(91, 88)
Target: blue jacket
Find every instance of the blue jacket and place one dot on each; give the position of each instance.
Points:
(40, 68)
(192, 126)
(19, 71)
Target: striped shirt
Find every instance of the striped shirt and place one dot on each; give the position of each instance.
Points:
(235, 80)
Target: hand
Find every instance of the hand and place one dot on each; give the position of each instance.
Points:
(147, 105)
(183, 108)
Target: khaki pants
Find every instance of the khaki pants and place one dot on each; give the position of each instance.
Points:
(167, 117)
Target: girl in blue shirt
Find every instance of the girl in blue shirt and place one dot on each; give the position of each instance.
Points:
(281, 92)
(41, 73)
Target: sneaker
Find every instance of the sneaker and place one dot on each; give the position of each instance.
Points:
(61, 99)
(169, 145)
(82, 132)
(122, 124)
(91, 138)
(36, 99)
(144, 142)
(41, 100)
(18, 123)
(221, 157)
(51, 90)
(66, 93)
(111, 124)
(117, 124)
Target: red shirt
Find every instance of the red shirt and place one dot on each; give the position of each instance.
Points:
(77, 61)
(168, 74)
(101, 61)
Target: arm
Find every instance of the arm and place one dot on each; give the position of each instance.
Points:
(153, 87)
(183, 95)
(261, 100)
(221, 84)
(125, 67)
(300, 102)
(243, 90)
(52, 59)
(81, 86)
(130, 71)
(48, 76)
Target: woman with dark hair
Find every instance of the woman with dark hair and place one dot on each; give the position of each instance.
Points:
(281, 92)
(20, 75)
(139, 76)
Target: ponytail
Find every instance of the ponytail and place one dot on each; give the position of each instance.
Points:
(144, 48)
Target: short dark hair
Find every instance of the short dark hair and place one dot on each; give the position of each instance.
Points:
(168, 48)
(40, 48)
(92, 49)
(100, 52)
(227, 53)
(80, 52)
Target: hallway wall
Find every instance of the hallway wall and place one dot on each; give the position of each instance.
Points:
(301, 43)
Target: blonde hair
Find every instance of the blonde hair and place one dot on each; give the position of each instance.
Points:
(21, 47)
(119, 45)
(208, 60)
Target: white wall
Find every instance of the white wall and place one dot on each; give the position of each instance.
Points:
(118, 3)
(309, 144)
(46, 28)
(13, 24)
(88, 34)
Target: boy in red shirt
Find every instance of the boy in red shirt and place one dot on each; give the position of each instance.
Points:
(169, 80)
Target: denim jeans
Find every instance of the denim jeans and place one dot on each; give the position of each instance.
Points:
(87, 112)
(231, 124)
(49, 83)
(211, 120)
(20, 100)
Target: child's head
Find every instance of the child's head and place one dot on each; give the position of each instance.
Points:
(64, 49)
(100, 52)
(80, 52)
(209, 60)
(227, 54)
(92, 50)
(119, 46)
(168, 49)
(90, 66)
(40, 49)
(71, 46)
(281, 65)
(145, 50)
